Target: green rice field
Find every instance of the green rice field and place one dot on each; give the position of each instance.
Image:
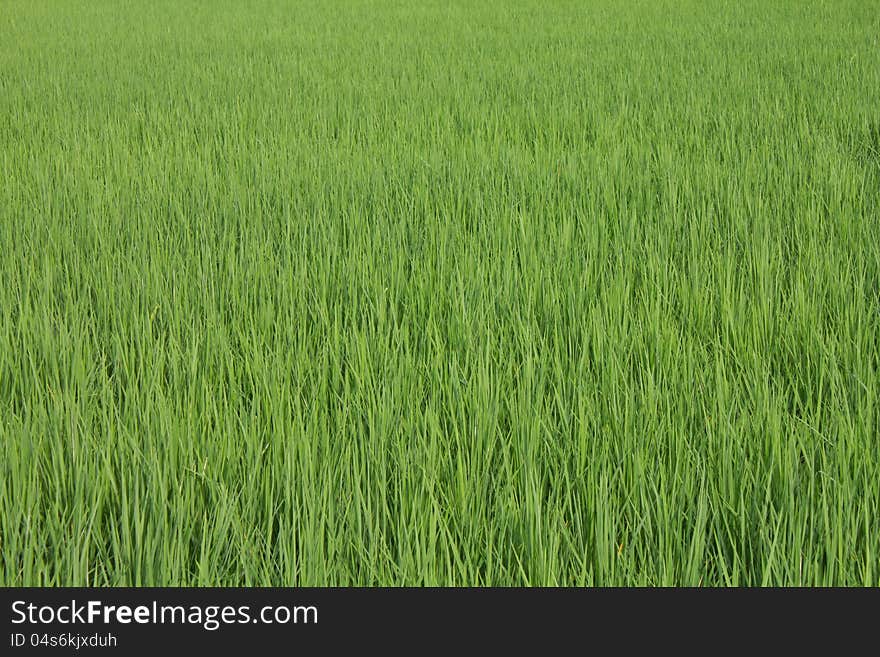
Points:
(423, 292)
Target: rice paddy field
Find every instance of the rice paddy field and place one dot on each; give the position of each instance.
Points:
(463, 292)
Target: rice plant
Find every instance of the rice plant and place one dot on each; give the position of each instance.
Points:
(462, 292)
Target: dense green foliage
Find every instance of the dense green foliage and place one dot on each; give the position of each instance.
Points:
(461, 292)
